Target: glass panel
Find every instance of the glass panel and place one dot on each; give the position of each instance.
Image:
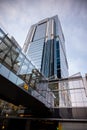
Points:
(20, 82)
(0, 65)
(20, 60)
(16, 65)
(30, 68)
(12, 77)
(8, 42)
(24, 67)
(4, 71)
(40, 31)
(11, 59)
(3, 50)
(2, 34)
(35, 52)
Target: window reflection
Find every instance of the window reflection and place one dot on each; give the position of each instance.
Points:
(35, 52)
(19, 82)
(4, 71)
(12, 77)
(40, 31)
(24, 67)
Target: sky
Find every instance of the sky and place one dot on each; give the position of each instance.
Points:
(16, 17)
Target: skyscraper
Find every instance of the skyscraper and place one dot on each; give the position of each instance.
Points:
(45, 47)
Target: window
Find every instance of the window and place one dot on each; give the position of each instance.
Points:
(40, 31)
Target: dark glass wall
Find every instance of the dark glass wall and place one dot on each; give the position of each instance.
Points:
(48, 59)
(58, 59)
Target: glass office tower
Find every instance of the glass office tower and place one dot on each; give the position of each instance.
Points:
(45, 47)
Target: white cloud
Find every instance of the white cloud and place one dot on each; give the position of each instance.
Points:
(77, 65)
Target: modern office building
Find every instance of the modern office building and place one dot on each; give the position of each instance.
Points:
(45, 47)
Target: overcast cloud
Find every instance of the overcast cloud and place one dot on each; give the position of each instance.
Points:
(18, 15)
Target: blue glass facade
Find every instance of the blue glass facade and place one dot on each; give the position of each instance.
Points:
(45, 47)
(35, 52)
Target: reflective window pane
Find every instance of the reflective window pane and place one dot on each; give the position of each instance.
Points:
(40, 31)
(35, 52)
(19, 82)
(4, 71)
(12, 77)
